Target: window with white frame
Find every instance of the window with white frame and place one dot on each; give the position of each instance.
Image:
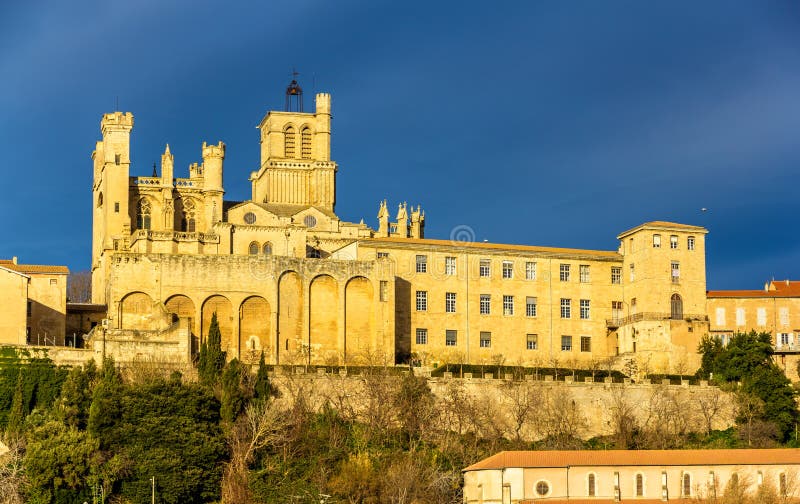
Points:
(591, 485)
(566, 343)
(566, 308)
(530, 270)
(449, 265)
(531, 341)
(616, 275)
(616, 310)
(584, 273)
(422, 300)
(720, 317)
(676, 272)
(639, 483)
(784, 339)
(450, 337)
(783, 316)
(586, 343)
(486, 304)
(761, 316)
(563, 272)
(633, 306)
(508, 305)
(508, 269)
(673, 242)
(450, 302)
(686, 486)
(584, 309)
(740, 321)
(656, 241)
(690, 243)
(530, 306)
(422, 336)
(485, 268)
(422, 264)
(486, 339)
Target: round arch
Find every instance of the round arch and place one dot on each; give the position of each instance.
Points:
(135, 311)
(323, 307)
(254, 328)
(289, 334)
(222, 307)
(358, 316)
(676, 307)
(182, 306)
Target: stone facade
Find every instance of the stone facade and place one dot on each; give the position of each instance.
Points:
(629, 476)
(33, 303)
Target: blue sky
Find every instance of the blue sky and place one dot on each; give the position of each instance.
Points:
(557, 123)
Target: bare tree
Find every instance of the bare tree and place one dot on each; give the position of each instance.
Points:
(623, 419)
(561, 421)
(712, 405)
(523, 400)
(79, 287)
(11, 473)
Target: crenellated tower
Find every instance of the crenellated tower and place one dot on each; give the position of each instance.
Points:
(213, 157)
(111, 222)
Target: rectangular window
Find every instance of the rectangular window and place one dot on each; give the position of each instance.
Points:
(508, 305)
(532, 342)
(449, 265)
(530, 270)
(53, 281)
(783, 315)
(422, 336)
(384, 286)
(450, 337)
(673, 242)
(690, 243)
(633, 274)
(422, 264)
(117, 159)
(116, 207)
(761, 317)
(485, 267)
(422, 300)
(783, 339)
(508, 269)
(566, 343)
(586, 343)
(739, 317)
(584, 309)
(633, 306)
(383, 255)
(450, 302)
(486, 303)
(584, 271)
(676, 272)
(486, 339)
(616, 310)
(530, 306)
(616, 275)
(30, 307)
(563, 272)
(656, 241)
(566, 308)
(721, 317)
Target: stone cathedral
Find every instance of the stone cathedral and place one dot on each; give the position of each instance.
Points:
(285, 276)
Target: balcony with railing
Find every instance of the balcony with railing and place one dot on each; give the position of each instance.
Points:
(614, 323)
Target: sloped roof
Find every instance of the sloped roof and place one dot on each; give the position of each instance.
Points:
(572, 458)
(491, 246)
(34, 268)
(285, 210)
(774, 289)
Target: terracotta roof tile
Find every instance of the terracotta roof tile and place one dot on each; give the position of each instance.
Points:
(492, 246)
(776, 289)
(34, 268)
(618, 458)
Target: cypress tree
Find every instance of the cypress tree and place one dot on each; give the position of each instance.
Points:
(212, 358)
(16, 416)
(262, 388)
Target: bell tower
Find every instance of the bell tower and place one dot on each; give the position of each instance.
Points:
(296, 166)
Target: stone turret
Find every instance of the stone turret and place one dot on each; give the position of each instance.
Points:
(417, 222)
(383, 220)
(401, 229)
(213, 156)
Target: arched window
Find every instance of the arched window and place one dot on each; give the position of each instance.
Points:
(267, 248)
(639, 485)
(592, 483)
(143, 214)
(676, 307)
(288, 142)
(782, 484)
(188, 222)
(253, 250)
(686, 485)
(305, 143)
